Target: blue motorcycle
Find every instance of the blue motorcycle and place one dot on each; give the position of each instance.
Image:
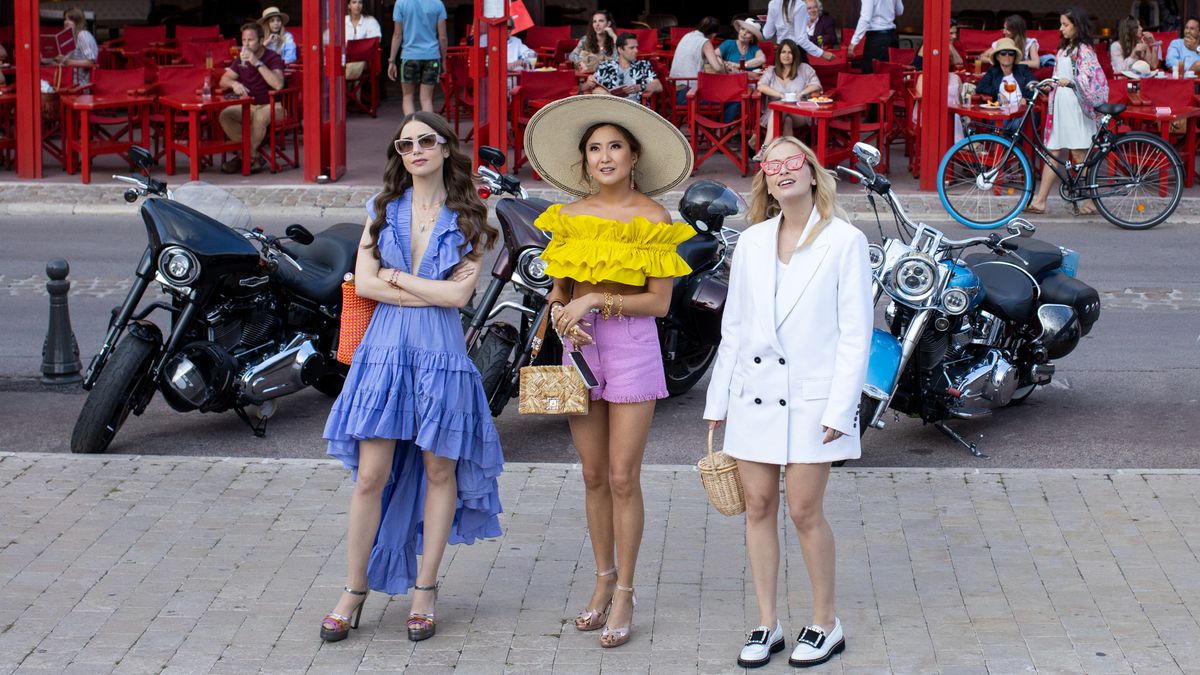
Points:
(966, 332)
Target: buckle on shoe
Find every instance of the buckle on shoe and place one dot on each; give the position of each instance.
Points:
(814, 637)
(758, 637)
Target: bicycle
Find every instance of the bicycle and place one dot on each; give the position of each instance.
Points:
(1135, 178)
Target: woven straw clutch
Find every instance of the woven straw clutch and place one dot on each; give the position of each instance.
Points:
(552, 390)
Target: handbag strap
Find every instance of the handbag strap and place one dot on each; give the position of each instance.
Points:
(710, 443)
(540, 335)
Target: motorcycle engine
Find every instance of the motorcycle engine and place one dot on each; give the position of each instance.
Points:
(980, 384)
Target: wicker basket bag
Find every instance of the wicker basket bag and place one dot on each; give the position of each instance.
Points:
(722, 482)
(356, 316)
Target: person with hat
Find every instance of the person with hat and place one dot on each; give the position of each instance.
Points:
(1007, 71)
(743, 53)
(421, 29)
(278, 39)
(613, 259)
(787, 381)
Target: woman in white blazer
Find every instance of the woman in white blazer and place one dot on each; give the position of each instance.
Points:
(795, 340)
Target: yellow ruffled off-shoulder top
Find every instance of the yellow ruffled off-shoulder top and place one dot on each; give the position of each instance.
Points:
(592, 249)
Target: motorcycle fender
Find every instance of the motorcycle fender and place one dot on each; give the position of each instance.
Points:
(146, 331)
(704, 304)
(884, 365)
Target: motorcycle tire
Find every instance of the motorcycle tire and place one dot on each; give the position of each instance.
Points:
(491, 356)
(108, 403)
(866, 410)
(690, 364)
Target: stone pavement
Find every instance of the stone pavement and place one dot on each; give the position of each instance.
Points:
(192, 565)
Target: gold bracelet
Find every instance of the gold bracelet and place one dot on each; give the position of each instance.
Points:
(606, 310)
(620, 307)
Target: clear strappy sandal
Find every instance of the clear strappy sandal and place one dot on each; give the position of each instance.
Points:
(615, 637)
(591, 619)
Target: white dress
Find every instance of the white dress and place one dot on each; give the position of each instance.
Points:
(1072, 129)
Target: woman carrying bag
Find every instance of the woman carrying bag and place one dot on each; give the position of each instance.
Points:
(795, 339)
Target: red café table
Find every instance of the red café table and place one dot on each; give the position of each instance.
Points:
(82, 107)
(194, 146)
(997, 115)
(822, 114)
(1150, 115)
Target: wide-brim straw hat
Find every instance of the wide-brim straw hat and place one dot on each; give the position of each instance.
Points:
(750, 25)
(553, 134)
(1006, 45)
(270, 12)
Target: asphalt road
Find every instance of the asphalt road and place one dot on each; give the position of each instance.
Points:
(1127, 397)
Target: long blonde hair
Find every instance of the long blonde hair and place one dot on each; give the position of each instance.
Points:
(764, 206)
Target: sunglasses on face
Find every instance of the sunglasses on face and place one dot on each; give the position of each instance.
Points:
(793, 163)
(426, 141)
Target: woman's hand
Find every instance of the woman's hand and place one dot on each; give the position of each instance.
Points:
(828, 56)
(568, 318)
(831, 434)
(1065, 83)
(462, 271)
(713, 424)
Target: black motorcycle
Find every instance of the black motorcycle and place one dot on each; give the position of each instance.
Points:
(252, 316)
(688, 334)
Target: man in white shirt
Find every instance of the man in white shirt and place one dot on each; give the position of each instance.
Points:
(876, 29)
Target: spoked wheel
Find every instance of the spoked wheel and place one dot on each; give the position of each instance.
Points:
(982, 184)
(1139, 183)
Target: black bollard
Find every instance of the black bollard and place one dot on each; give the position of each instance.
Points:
(60, 352)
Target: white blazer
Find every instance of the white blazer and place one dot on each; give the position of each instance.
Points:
(795, 360)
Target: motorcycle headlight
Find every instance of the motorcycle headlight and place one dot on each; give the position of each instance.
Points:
(914, 277)
(532, 269)
(178, 265)
(876, 256)
(955, 301)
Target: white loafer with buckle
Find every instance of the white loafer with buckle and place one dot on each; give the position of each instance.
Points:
(814, 646)
(762, 643)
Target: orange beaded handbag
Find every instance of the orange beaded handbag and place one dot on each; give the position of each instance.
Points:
(356, 316)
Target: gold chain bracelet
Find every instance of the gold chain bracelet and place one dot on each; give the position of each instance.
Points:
(620, 307)
(606, 309)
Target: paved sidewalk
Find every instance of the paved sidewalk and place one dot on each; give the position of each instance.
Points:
(149, 564)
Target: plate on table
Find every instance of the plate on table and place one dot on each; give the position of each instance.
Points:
(545, 69)
(990, 105)
(821, 100)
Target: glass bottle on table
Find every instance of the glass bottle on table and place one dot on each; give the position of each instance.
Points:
(206, 90)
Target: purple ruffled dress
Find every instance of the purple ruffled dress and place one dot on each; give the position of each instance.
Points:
(411, 380)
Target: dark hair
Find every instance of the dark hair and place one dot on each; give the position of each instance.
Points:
(632, 140)
(1127, 33)
(461, 195)
(708, 26)
(625, 37)
(1185, 23)
(1083, 29)
(76, 16)
(798, 57)
(603, 44)
(1015, 24)
(254, 26)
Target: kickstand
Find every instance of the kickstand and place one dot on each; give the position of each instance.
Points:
(954, 435)
(259, 429)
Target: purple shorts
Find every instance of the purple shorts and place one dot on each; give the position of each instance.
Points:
(625, 358)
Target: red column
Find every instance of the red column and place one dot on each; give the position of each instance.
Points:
(935, 136)
(324, 92)
(26, 57)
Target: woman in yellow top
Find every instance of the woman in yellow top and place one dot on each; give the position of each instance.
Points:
(613, 258)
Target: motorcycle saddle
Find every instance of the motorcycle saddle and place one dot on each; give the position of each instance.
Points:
(1039, 256)
(1061, 289)
(325, 261)
(698, 251)
(1008, 292)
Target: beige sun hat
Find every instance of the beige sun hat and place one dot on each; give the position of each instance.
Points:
(270, 12)
(553, 135)
(750, 25)
(1006, 45)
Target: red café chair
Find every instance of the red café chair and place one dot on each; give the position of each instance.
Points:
(133, 43)
(875, 91)
(827, 71)
(192, 33)
(976, 42)
(898, 76)
(196, 52)
(647, 39)
(706, 125)
(562, 50)
(458, 89)
(1177, 95)
(284, 130)
(903, 57)
(175, 81)
(363, 92)
(677, 33)
(544, 39)
(768, 49)
(54, 113)
(534, 90)
(108, 127)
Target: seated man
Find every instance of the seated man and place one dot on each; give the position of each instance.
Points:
(625, 75)
(1186, 50)
(256, 73)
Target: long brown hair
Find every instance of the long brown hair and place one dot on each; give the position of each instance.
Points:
(794, 48)
(764, 206)
(603, 44)
(1016, 25)
(1127, 35)
(461, 195)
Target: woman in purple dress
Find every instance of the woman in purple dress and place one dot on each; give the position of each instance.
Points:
(412, 421)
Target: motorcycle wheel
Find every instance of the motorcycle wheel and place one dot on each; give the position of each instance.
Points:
(330, 384)
(108, 404)
(491, 357)
(866, 412)
(689, 365)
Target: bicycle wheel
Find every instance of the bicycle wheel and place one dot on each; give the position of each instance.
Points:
(977, 189)
(1139, 183)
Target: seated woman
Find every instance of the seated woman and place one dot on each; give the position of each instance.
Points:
(1004, 75)
(83, 57)
(790, 75)
(1132, 45)
(599, 43)
(1027, 47)
(953, 91)
(279, 39)
(744, 50)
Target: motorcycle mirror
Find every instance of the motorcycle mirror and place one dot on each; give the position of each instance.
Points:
(299, 234)
(491, 156)
(1021, 227)
(867, 153)
(141, 157)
